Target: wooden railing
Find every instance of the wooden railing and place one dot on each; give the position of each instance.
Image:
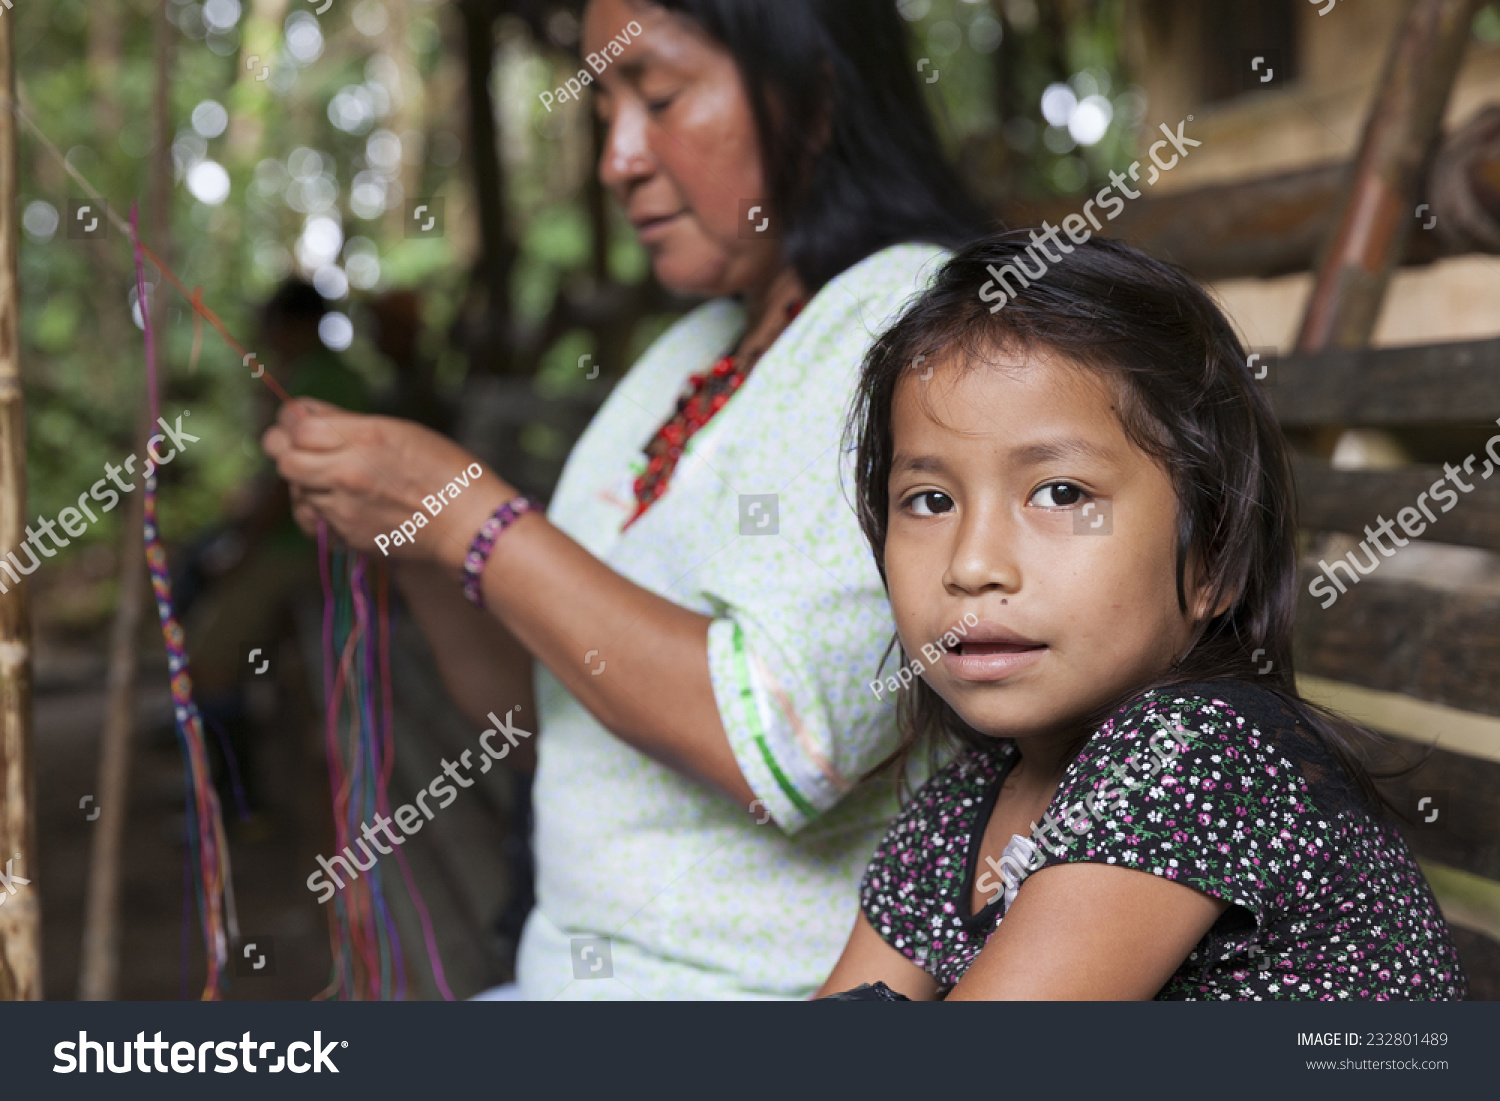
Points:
(1439, 645)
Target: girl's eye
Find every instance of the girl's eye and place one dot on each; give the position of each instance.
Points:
(929, 503)
(657, 106)
(1057, 495)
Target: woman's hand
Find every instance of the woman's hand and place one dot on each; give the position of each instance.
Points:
(366, 476)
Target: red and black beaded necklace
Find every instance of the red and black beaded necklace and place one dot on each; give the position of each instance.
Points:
(705, 395)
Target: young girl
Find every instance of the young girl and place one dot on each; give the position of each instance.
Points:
(1083, 510)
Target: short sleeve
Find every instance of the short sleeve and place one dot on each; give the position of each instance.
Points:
(1179, 784)
(802, 622)
(787, 660)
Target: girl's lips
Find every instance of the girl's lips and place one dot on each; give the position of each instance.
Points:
(991, 661)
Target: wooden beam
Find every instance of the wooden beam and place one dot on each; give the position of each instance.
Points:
(1418, 384)
(1399, 140)
(1466, 732)
(1465, 794)
(1348, 500)
(1394, 636)
(20, 916)
(1274, 225)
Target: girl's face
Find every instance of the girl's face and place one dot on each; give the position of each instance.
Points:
(681, 153)
(1022, 514)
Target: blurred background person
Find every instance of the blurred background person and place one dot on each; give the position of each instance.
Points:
(397, 328)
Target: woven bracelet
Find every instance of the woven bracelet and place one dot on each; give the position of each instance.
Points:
(484, 542)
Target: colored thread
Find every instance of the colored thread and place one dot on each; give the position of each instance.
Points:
(203, 825)
(368, 961)
(207, 847)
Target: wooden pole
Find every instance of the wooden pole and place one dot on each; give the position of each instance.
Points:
(1400, 137)
(489, 340)
(20, 915)
(99, 968)
(99, 971)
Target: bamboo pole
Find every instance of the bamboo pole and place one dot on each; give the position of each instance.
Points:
(1400, 137)
(99, 970)
(20, 916)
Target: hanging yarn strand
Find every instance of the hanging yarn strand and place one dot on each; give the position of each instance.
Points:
(368, 961)
(207, 850)
(366, 958)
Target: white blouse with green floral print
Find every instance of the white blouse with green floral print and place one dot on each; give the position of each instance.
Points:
(650, 885)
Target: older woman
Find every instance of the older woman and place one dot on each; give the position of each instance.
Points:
(697, 597)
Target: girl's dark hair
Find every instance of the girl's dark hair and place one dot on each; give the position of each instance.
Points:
(852, 160)
(1187, 398)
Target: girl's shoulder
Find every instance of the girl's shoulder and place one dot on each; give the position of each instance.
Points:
(1226, 730)
(1195, 718)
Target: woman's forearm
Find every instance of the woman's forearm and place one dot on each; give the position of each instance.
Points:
(637, 661)
(483, 666)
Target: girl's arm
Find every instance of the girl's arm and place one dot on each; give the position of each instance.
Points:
(1089, 932)
(868, 958)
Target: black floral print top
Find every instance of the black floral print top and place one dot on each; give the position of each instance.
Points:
(1215, 786)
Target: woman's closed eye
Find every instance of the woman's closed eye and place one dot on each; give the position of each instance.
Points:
(928, 502)
(1059, 495)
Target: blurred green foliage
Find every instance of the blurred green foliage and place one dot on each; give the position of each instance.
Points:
(313, 140)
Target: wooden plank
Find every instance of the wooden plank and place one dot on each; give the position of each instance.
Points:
(1351, 500)
(1468, 900)
(1399, 637)
(1463, 794)
(1417, 384)
(1479, 956)
(1466, 732)
(1274, 225)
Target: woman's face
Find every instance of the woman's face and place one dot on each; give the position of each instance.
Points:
(1032, 547)
(681, 152)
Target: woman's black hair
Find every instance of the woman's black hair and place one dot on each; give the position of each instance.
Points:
(853, 163)
(1186, 396)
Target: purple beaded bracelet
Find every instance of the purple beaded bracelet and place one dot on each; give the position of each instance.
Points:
(479, 550)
